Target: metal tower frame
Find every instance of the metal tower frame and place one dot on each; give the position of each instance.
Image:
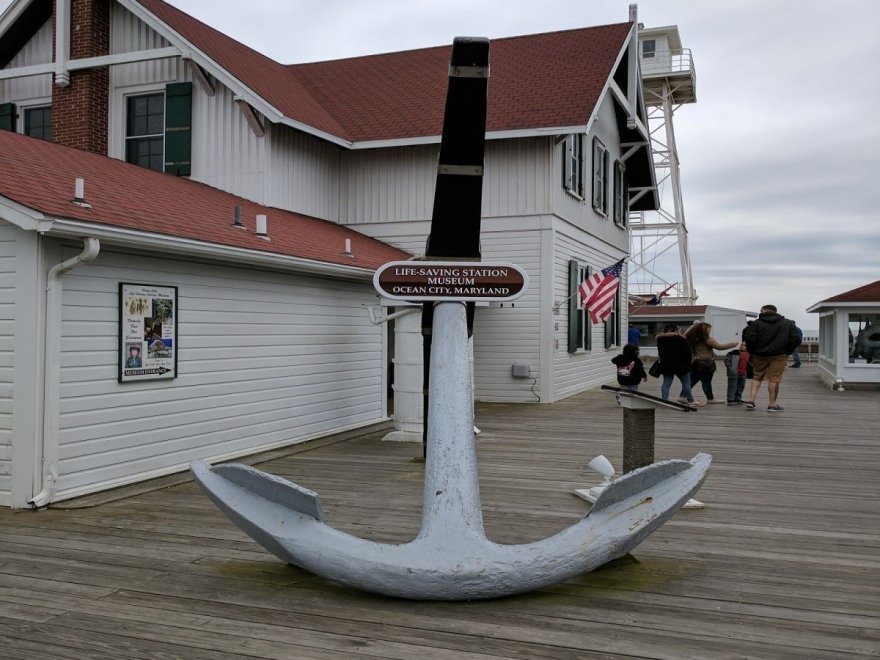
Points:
(655, 236)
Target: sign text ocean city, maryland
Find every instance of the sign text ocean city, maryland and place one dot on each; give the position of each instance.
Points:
(444, 280)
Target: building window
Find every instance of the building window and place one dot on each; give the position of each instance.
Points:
(580, 329)
(38, 122)
(573, 165)
(612, 323)
(826, 337)
(621, 195)
(145, 130)
(600, 177)
(649, 48)
(864, 338)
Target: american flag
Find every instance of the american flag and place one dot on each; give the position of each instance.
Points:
(598, 290)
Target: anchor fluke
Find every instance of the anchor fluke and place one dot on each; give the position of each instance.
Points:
(271, 488)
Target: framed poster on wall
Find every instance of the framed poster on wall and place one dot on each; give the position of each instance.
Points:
(147, 332)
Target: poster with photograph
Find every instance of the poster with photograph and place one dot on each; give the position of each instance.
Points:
(147, 332)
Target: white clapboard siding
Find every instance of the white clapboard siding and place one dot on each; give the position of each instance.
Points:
(510, 334)
(397, 184)
(264, 359)
(7, 357)
(585, 369)
(38, 50)
(502, 335)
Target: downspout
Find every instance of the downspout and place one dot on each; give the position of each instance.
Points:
(52, 370)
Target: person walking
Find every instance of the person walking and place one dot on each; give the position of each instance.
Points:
(703, 345)
(769, 339)
(634, 336)
(795, 355)
(675, 356)
(738, 368)
(630, 370)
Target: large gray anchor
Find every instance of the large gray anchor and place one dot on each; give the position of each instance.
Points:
(451, 558)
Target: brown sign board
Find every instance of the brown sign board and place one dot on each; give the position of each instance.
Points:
(415, 281)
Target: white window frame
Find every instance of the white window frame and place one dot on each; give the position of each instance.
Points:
(649, 53)
(30, 104)
(118, 107)
(573, 170)
(599, 190)
(620, 201)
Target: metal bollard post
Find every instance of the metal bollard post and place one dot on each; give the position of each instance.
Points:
(638, 438)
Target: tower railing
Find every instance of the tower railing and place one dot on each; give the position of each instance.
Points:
(665, 62)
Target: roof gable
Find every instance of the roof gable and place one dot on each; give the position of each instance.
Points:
(40, 175)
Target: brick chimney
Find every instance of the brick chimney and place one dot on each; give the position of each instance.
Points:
(79, 110)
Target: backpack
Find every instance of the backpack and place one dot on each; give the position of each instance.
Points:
(625, 375)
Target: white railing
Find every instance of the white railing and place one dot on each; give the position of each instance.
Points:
(668, 62)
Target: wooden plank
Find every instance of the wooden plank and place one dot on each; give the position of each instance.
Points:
(768, 569)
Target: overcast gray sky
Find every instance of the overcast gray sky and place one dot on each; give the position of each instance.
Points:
(779, 156)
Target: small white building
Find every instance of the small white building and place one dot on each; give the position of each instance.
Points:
(727, 324)
(849, 338)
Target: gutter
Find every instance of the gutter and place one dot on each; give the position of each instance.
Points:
(186, 246)
(52, 371)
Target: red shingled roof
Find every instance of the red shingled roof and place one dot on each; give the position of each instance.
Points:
(667, 310)
(40, 175)
(544, 80)
(869, 293)
(271, 80)
(538, 81)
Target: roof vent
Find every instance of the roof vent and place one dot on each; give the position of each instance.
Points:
(261, 227)
(347, 251)
(79, 194)
(236, 218)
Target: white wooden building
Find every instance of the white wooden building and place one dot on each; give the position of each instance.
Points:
(849, 338)
(347, 143)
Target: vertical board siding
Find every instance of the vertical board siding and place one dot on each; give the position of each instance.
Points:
(517, 177)
(225, 152)
(304, 173)
(7, 356)
(129, 34)
(38, 50)
(387, 185)
(265, 359)
(575, 372)
(397, 184)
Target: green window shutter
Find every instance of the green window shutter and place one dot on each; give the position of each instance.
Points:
(574, 316)
(7, 116)
(581, 183)
(178, 128)
(587, 323)
(612, 325)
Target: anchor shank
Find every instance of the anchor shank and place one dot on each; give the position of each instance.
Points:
(451, 503)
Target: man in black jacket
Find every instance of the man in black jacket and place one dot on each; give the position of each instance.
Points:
(770, 340)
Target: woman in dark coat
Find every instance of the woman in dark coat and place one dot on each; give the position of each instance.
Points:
(675, 357)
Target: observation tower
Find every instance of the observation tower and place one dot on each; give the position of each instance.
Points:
(659, 239)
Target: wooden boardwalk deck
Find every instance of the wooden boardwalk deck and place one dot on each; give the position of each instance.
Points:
(782, 563)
